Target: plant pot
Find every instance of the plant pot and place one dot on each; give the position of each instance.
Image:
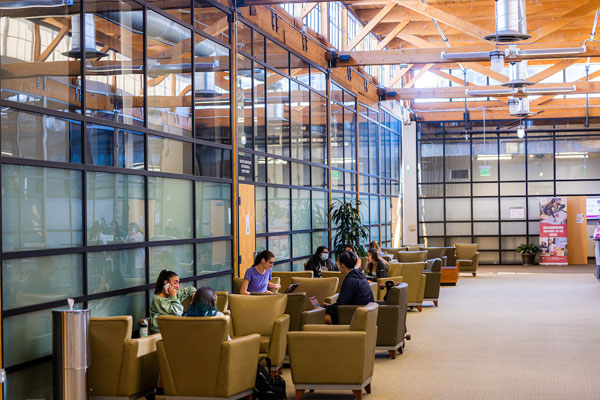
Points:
(528, 259)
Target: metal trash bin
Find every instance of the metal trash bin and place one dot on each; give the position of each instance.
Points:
(71, 351)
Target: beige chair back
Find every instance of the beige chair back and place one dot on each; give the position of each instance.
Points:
(412, 274)
(365, 319)
(411, 256)
(222, 300)
(255, 314)
(466, 251)
(285, 277)
(237, 285)
(321, 288)
(335, 274)
(435, 252)
(363, 264)
(296, 304)
(414, 247)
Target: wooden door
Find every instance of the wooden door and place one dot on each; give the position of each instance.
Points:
(246, 227)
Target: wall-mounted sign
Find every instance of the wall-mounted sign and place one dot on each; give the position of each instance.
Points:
(245, 167)
(516, 213)
(485, 170)
(336, 175)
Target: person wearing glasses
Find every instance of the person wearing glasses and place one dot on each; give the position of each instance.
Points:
(258, 278)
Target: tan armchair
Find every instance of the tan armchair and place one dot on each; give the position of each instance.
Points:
(433, 282)
(437, 252)
(222, 301)
(412, 274)
(381, 290)
(299, 316)
(413, 247)
(198, 362)
(321, 288)
(266, 316)
(451, 255)
(334, 274)
(121, 367)
(411, 256)
(285, 277)
(319, 356)
(391, 320)
(467, 257)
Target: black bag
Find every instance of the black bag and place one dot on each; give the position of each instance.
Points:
(265, 387)
(388, 286)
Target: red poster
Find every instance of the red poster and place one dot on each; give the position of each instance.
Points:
(553, 230)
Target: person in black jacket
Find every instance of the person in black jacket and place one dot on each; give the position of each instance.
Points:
(319, 262)
(376, 267)
(355, 289)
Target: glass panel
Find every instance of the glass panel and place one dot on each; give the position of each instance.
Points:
(41, 208)
(169, 208)
(511, 243)
(512, 159)
(318, 80)
(485, 189)
(167, 155)
(260, 118)
(298, 265)
(300, 174)
(337, 136)
(260, 195)
(431, 229)
(373, 153)
(349, 182)
(261, 244)
(260, 168)
(277, 56)
(244, 37)
(169, 99)
(540, 188)
(213, 21)
(280, 246)
(485, 157)
(113, 270)
(577, 188)
(512, 208)
(213, 209)
(300, 122)
(319, 177)
(458, 209)
(30, 383)
(489, 257)
(282, 267)
(458, 161)
(431, 163)
(179, 259)
(244, 83)
(213, 161)
(350, 140)
(487, 243)
(259, 46)
(36, 280)
(130, 149)
(299, 69)
(319, 210)
(512, 189)
(463, 228)
(431, 209)
(485, 209)
(337, 180)
(54, 82)
(364, 210)
(115, 208)
(212, 102)
(278, 210)
(374, 209)
(218, 283)
(534, 208)
(40, 137)
(278, 107)
(319, 239)
(101, 148)
(534, 229)
(301, 245)
(432, 242)
(513, 228)
(318, 128)
(485, 228)
(278, 171)
(457, 190)
(133, 304)
(115, 93)
(301, 211)
(435, 190)
(540, 159)
(213, 256)
(577, 158)
(453, 240)
(511, 257)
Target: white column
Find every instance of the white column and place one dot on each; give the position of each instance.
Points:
(409, 186)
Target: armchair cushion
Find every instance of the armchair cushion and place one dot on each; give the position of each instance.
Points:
(285, 277)
(321, 288)
(411, 256)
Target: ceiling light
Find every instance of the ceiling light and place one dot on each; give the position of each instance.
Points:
(544, 90)
(521, 132)
(490, 92)
(551, 52)
(572, 154)
(494, 157)
(497, 60)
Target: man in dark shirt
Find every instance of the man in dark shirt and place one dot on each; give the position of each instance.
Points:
(355, 288)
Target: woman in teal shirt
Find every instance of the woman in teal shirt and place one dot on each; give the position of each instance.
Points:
(168, 297)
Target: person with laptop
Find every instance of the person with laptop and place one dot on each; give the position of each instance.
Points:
(319, 262)
(355, 288)
(258, 278)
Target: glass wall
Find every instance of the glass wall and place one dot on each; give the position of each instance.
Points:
(116, 163)
(482, 186)
(390, 161)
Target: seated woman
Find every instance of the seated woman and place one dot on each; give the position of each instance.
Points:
(168, 297)
(350, 249)
(375, 247)
(258, 277)
(319, 262)
(204, 304)
(355, 288)
(376, 267)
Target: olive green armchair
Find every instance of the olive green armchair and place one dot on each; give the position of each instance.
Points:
(320, 360)
(334, 274)
(197, 361)
(266, 316)
(467, 257)
(437, 252)
(433, 281)
(411, 256)
(321, 288)
(285, 277)
(121, 367)
(412, 274)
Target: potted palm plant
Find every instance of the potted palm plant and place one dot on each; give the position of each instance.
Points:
(345, 219)
(528, 252)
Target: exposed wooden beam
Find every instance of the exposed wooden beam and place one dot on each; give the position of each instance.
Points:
(545, 99)
(442, 16)
(400, 72)
(421, 72)
(369, 27)
(392, 35)
(46, 53)
(548, 72)
(307, 8)
(565, 20)
(451, 78)
(486, 72)
(344, 29)
(417, 41)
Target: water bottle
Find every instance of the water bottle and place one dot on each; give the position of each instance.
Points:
(143, 328)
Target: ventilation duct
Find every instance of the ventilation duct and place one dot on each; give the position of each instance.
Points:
(518, 75)
(89, 39)
(519, 107)
(511, 22)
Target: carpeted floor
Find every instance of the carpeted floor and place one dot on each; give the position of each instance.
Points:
(509, 333)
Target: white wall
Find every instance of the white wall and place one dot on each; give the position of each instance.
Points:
(409, 187)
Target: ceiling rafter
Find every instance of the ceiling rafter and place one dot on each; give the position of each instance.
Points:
(564, 21)
(392, 35)
(369, 27)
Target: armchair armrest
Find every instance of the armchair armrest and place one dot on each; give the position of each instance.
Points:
(326, 328)
(237, 369)
(316, 316)
(345, 313)
(278, 342)
(316, 357)
(476, 260)
(331, 299)
(139, 369)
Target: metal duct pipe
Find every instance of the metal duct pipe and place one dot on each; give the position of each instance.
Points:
(519, 107)
(518, 74)
(511, 22)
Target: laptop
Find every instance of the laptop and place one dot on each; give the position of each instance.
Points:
(291, 288)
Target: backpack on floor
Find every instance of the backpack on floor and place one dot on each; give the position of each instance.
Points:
(266, 387)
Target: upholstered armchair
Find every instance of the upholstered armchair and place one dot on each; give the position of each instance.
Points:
(451, 255)
(222, 301)
(237, 284)
(413, 247)
(381, 289)
(321, 288)
(412, 274)
(467, 257)
(411, 256)
(432, 284)
(266, 316)
(198, 362)
(320, 360)
(437, 252)
(391, 320)
(334, 274)
(285, 277)
(121, 367)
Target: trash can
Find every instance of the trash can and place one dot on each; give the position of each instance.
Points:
(71, 351)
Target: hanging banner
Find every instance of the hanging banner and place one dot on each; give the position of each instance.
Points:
(553, 230)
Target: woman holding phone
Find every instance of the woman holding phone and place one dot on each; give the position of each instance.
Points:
(168, 297)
